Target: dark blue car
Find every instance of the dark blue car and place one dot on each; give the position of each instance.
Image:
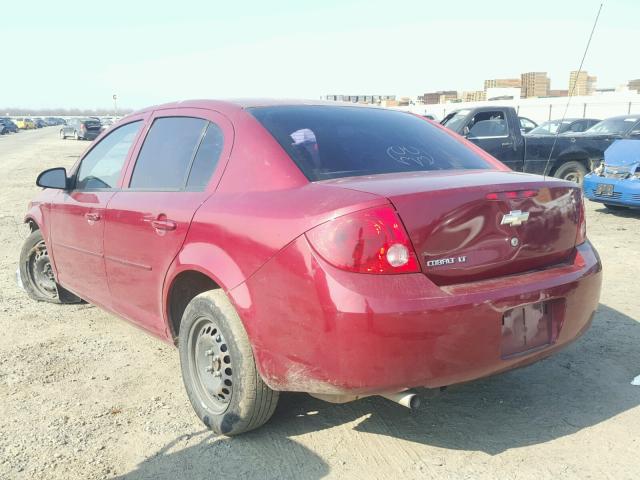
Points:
(616, 182)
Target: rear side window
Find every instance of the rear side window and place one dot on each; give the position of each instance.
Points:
(167, 153)
(332, 142)
(206, 158)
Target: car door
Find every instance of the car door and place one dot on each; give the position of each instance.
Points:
(77, 218)
(490, 130)
(173, 173)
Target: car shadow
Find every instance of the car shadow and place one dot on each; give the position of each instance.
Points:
(622, 212)
(581, 386)
(257, 454)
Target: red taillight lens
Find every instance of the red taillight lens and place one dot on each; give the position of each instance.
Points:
(368, 241)
(581, 237)
(511, 194)
(83, 126)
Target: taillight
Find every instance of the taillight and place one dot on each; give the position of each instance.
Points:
(83, 126)
(511, 195)
(369, 241)
(581, 236)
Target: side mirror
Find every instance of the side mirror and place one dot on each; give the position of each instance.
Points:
(53, 178)
(465, 131)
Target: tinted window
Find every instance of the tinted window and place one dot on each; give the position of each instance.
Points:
(206, 158)
(614, 126)
(332, 142)
(101, 167)
(489, 128)
(165, 157)
(579, 126)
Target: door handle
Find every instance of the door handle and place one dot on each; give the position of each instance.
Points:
(507, 144)
(164, 225)
(92, 217)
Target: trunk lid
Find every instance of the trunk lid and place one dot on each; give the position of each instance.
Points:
(461, 232)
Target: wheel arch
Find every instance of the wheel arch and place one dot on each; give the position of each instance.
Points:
(196, 269)
(32, 223)
(572, 156)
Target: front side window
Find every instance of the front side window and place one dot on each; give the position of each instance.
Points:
(488, 124)
(167, 153)
(102, 166)
(332, 142)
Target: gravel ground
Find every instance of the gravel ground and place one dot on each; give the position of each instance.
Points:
(85, 395)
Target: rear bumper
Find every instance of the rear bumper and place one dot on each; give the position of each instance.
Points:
(318, 329)
(89, 134)
(625, 192)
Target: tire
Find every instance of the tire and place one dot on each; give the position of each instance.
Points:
(36, 274)
(615, 207)
(62, 135)
(573, 171)
(218, 367)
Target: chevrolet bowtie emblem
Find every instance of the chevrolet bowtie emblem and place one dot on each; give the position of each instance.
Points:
(515, 218)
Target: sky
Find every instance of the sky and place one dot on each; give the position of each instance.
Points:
(148, 53)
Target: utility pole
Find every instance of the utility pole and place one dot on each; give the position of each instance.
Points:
(115, 105)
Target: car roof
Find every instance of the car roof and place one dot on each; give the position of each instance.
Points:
(621, 117)
(230, 105)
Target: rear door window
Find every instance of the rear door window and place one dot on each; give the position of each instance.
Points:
(206, 158)
(167, 153)
(332, 142)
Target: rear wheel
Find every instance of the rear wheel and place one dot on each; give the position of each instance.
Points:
(62, 135)
(36, 273)
(573, 171)
(218, 367)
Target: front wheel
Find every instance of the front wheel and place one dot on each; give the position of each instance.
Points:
(218, 367)
(36, 273)
(572, 171)
(62, 135)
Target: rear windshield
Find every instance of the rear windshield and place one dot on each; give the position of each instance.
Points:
(332, 142)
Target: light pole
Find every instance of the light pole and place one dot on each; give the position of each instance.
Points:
(115, 105)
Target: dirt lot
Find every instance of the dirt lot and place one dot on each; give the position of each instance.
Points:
(85, 395)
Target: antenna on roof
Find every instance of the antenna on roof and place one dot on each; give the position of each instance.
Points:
(584, 55)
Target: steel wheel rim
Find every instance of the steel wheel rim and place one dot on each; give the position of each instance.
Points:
(210, 365)
(40, 271)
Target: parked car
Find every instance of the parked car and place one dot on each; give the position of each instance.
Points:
(9, 125)
(39, 123)
(526, 124)
(3, 129)
(568, 125)
(343, 251)
(25, 123)
(570, 156)
(616, 183)
(105, 124)
(80, 129)
(51, 121)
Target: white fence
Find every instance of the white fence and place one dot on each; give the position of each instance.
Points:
(543, 109)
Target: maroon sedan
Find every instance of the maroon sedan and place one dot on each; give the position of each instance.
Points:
(342, 251)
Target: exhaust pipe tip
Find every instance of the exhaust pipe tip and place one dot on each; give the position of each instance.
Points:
(407, 399)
